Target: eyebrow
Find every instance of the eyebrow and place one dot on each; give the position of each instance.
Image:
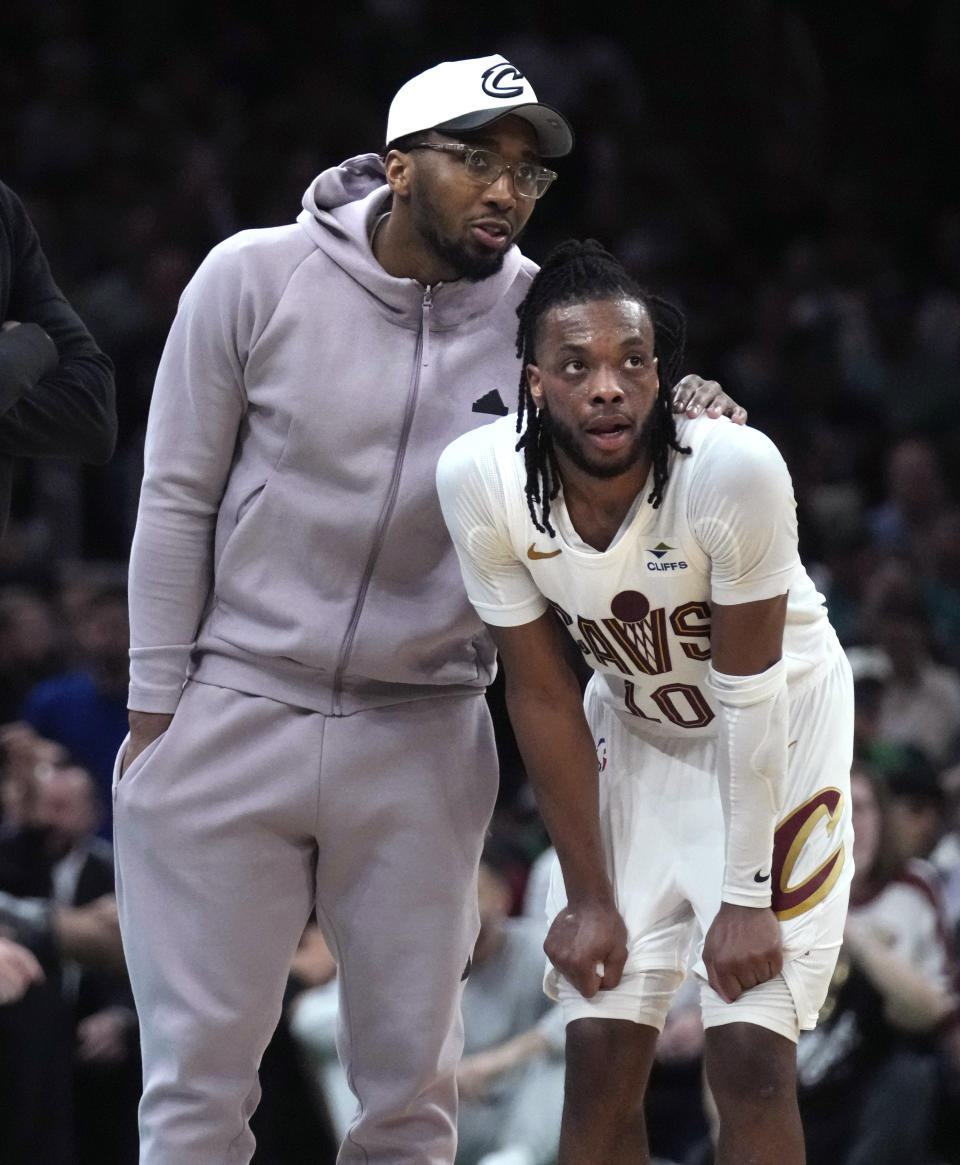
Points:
(485, 143)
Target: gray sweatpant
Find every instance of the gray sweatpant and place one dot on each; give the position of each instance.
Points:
(244, 815)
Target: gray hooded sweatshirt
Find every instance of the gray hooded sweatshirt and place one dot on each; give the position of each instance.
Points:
(289, 541)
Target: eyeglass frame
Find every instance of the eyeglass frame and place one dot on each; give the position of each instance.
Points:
(463, 151)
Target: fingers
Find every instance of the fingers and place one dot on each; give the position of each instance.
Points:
(613, 966)
(578, 966)
(733, 978)
(723, 406)
(583, 974)
(694, 395)
(588, 947)
(130, 754)
(720, 978)
(18, 970)
(689, 396)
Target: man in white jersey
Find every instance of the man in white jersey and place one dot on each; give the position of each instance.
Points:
(720, 711)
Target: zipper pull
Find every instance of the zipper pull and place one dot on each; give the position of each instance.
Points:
(425, 342)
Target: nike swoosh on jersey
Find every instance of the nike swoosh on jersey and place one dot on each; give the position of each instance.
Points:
(758, 877)
(535, 554)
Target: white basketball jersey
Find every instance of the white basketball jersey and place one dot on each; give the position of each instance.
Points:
(639, 611)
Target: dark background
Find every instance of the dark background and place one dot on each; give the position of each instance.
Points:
(783, 171)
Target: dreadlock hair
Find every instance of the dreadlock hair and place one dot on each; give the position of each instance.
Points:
(582, 272)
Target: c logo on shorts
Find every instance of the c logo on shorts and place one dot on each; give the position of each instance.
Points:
(788, 842)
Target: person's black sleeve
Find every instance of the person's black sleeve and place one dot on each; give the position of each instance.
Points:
(56, 386)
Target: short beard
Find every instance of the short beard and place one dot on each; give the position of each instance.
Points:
(567, 441)
(469, 264)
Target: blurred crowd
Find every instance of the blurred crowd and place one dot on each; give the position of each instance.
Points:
(746, 163)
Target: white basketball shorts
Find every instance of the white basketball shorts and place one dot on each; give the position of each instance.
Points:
(663, 837)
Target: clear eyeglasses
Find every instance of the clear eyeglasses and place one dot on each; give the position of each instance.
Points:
(529, 179)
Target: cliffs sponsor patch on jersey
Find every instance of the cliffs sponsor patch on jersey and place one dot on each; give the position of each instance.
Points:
(663, 557)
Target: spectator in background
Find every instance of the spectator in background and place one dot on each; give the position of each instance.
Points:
(56, 386)
(510, 1079)
(29, 646)
(99, 1003)
(916, 493)
(18, 969)
(869, 1072)
(946, 853)
(917, 801)
(941, 587)
(84, 709)
(37, 1033)
(682, 1121)
(920, 705)
(871, 670)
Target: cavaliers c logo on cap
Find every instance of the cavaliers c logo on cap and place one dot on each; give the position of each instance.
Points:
(496, 81)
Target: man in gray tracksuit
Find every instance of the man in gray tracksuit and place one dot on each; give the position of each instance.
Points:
(307, 718)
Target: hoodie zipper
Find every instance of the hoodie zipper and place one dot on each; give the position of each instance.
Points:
(421, 360)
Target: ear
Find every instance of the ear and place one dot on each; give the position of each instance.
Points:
(399, 168)
(535, 384)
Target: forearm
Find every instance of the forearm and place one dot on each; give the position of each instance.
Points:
(28, 921)
(89, 935)
(752, 761)
(68, 413)
(196, 411)
(170, 571)
(912, 1001)
(56, 386)
(561, 764)
(27, 354)
(513, 1053)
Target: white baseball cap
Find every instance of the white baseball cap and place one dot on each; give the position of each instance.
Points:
(465, 95)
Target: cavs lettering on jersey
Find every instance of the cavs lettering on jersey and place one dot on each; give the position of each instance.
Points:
(640, 610)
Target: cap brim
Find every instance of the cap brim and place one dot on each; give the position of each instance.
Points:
(554, 135)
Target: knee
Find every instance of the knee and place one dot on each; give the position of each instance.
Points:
(749, 1068)
(593, 1045)
(608, 1064)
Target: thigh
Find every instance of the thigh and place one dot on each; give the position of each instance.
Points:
(812, 859)
(215, 865)
(406, 795)
(770, 1005)
(662, 831)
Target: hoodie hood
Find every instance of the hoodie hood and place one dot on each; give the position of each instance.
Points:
(340, 207)
(349, 182)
